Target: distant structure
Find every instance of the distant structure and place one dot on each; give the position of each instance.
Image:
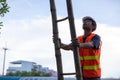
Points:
(5, 50)
(28, 66)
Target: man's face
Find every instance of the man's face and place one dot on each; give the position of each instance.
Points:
(87, 25)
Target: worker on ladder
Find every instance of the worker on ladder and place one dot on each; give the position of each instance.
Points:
(89, 45)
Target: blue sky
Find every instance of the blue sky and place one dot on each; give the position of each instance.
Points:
(28, 32)
(102, 10)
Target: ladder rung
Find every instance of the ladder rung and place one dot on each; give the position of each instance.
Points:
(62, 19)
(68, 73)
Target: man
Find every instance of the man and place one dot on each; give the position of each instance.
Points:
(89, 45)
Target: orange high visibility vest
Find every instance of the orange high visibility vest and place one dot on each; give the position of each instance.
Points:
(90, 59)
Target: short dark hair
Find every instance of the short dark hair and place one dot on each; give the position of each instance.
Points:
(93, 21)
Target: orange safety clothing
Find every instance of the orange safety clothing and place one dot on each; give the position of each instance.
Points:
(90, 59)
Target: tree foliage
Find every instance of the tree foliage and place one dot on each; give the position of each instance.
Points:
(4, 8)
(25, 73)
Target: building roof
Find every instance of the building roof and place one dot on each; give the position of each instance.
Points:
(21, 61)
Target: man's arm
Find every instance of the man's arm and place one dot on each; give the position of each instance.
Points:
(94, 43)
(80, 45)
(62, 45)
(66, 47)
(86, 45)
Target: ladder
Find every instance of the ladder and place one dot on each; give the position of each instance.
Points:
(70, 17)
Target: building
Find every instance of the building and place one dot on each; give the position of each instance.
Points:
(28, 66)
(21, 65)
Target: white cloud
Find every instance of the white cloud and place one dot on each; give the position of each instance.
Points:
(32, 40)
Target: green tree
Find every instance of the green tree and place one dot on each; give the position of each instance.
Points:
(25, 73)
(45, 74)
(10, 74)
(18, 73)
(4, 8)
(32, 73)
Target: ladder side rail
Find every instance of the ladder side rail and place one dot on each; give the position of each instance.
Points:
(56, 42)
(73, 36)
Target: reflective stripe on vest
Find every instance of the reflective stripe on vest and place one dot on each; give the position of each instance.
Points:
(89, 57)
(91, 67)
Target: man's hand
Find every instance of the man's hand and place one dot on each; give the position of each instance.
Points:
(75, 42)
(57, 41)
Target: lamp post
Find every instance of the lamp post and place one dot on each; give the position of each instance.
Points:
(5, 49)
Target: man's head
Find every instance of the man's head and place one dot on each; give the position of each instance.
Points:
(89, 22)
